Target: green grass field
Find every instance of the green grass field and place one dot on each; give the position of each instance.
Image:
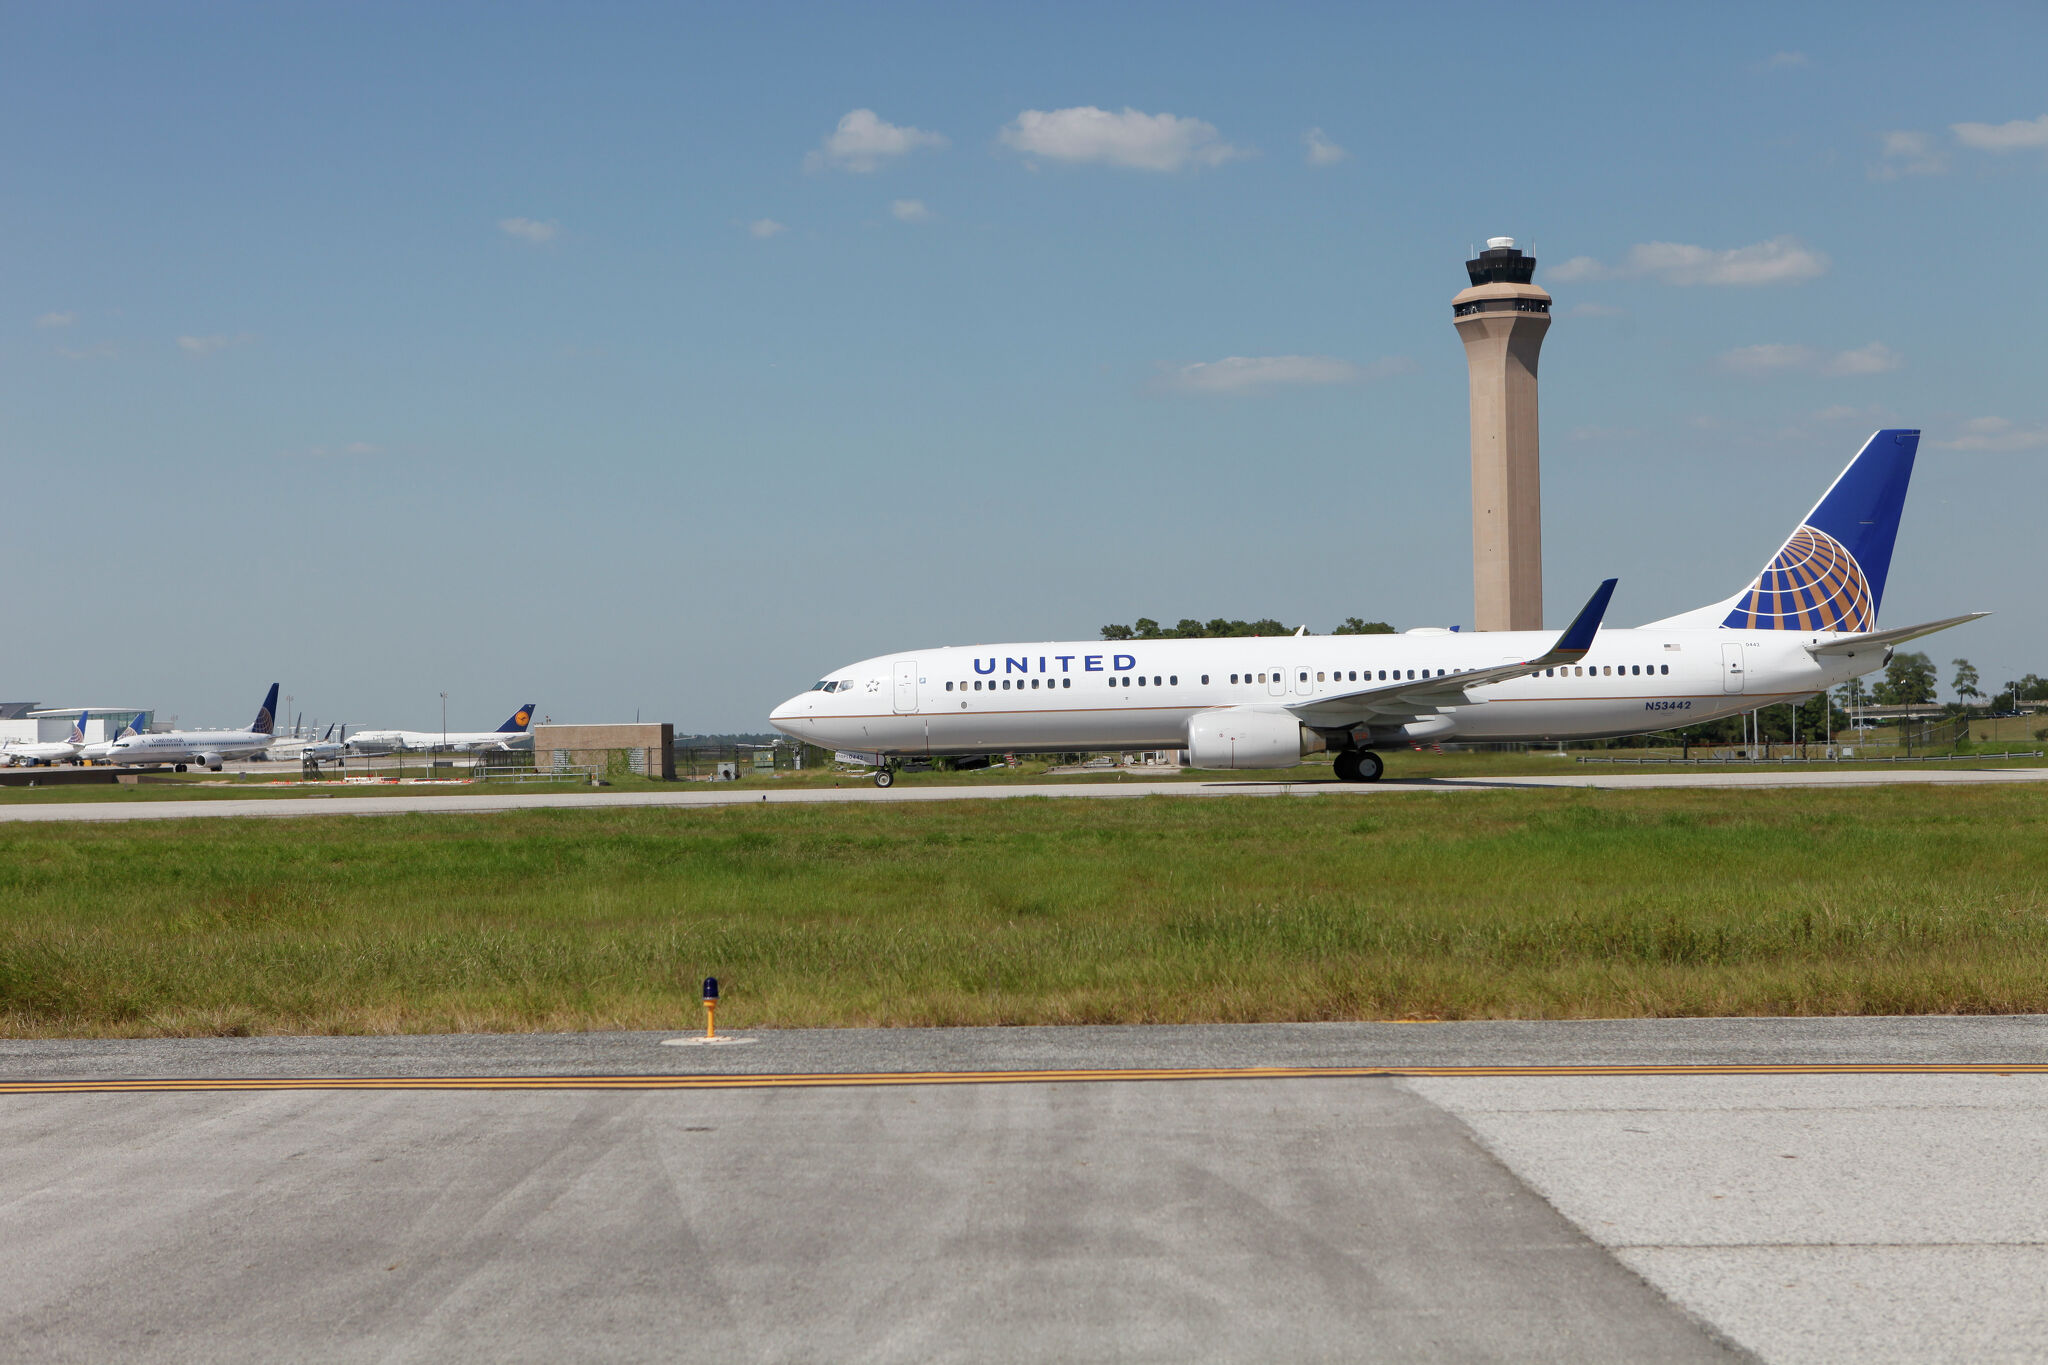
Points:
(1539, 904)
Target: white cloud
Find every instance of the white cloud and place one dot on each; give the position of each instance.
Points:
(1998, 434)
(1140, 141)
(1876, 358)
(1780, 260)
(863, 141)
(909, 210)
(1909, 153)
(766, 227)
(530, 230)
(205, 346)
(2016, 136)
(1769, 359)
(1576, 269)
(1777, 358)
(102, 350)
(56, 319)
(1248, 374)
(1322, 151)
(1783, 61)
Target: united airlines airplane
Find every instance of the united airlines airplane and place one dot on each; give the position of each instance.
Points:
(48, 753)
(1807, 622)
(208, 748)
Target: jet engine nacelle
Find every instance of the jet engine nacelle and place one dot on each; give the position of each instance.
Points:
(1249, 737)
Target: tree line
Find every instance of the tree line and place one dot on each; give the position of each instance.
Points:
(1188, 628)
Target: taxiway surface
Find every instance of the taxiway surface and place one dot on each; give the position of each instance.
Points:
(482, 802)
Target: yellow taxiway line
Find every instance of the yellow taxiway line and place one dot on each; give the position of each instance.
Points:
(164, 1085)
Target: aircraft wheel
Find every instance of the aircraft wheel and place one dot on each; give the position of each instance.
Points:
(886, 778)
(1370, 766)
(1346, 765)
(178, 767)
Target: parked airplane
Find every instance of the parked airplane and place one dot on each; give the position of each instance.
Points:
(47, 753)
(208, 748)
(513, 734)
(102, 751)
(1807, 622)
(326, 747)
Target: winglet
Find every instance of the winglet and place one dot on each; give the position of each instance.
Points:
(1578, 636)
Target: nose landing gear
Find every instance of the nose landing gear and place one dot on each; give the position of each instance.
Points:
(1359, 765)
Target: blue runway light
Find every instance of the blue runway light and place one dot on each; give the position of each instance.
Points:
(710, 988)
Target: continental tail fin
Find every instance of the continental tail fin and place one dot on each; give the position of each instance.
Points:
(266, 714)
(1829, 575)
(78, 728)
(521, 718)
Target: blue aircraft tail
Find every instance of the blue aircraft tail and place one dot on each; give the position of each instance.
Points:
(521, 718)
(266, 714)
(78, 728)
(1829, 575)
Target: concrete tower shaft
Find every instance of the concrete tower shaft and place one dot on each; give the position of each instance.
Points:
(1502, 319)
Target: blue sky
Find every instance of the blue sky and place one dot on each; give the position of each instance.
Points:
(646, 358)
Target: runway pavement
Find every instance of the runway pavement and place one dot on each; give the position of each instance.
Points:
(478, 802)
(1491, 1213)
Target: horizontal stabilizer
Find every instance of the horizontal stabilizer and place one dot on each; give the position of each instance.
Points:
(1851, 645)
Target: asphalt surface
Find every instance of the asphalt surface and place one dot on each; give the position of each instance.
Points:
(1909, 1040)
(476, 802)
(1810, 1217)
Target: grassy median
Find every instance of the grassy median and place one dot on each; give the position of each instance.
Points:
(1530, 904)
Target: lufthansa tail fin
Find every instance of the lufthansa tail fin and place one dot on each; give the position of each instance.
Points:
(266, 714)
(521, 718)
(1829, 575)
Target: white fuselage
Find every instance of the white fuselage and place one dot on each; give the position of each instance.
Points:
(425, 741)
(39, 754)
(207, 747)
(1140, 694)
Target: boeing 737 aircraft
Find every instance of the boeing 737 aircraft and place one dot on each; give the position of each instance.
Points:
(50, 752)
(513, 734)
(1807, 622)
(208, 748)
(103, 750)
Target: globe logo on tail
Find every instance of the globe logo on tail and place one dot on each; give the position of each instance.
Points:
(1813, 584)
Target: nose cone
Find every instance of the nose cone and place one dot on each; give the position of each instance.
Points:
(782, 716)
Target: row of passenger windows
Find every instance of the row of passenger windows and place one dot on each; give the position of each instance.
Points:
(1336, 675)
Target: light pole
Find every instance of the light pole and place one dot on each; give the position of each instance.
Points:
(444, 722)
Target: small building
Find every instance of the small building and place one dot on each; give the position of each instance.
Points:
(646, 749)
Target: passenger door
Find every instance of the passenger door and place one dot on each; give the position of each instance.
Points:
(1276, 682)
(906, 686)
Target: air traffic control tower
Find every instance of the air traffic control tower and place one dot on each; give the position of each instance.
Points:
(1502, 319)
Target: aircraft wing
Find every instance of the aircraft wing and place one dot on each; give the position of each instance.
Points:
(1856, 644)
(1425, 696)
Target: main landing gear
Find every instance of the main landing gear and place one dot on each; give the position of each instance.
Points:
(1359, 765)
(885, 776)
